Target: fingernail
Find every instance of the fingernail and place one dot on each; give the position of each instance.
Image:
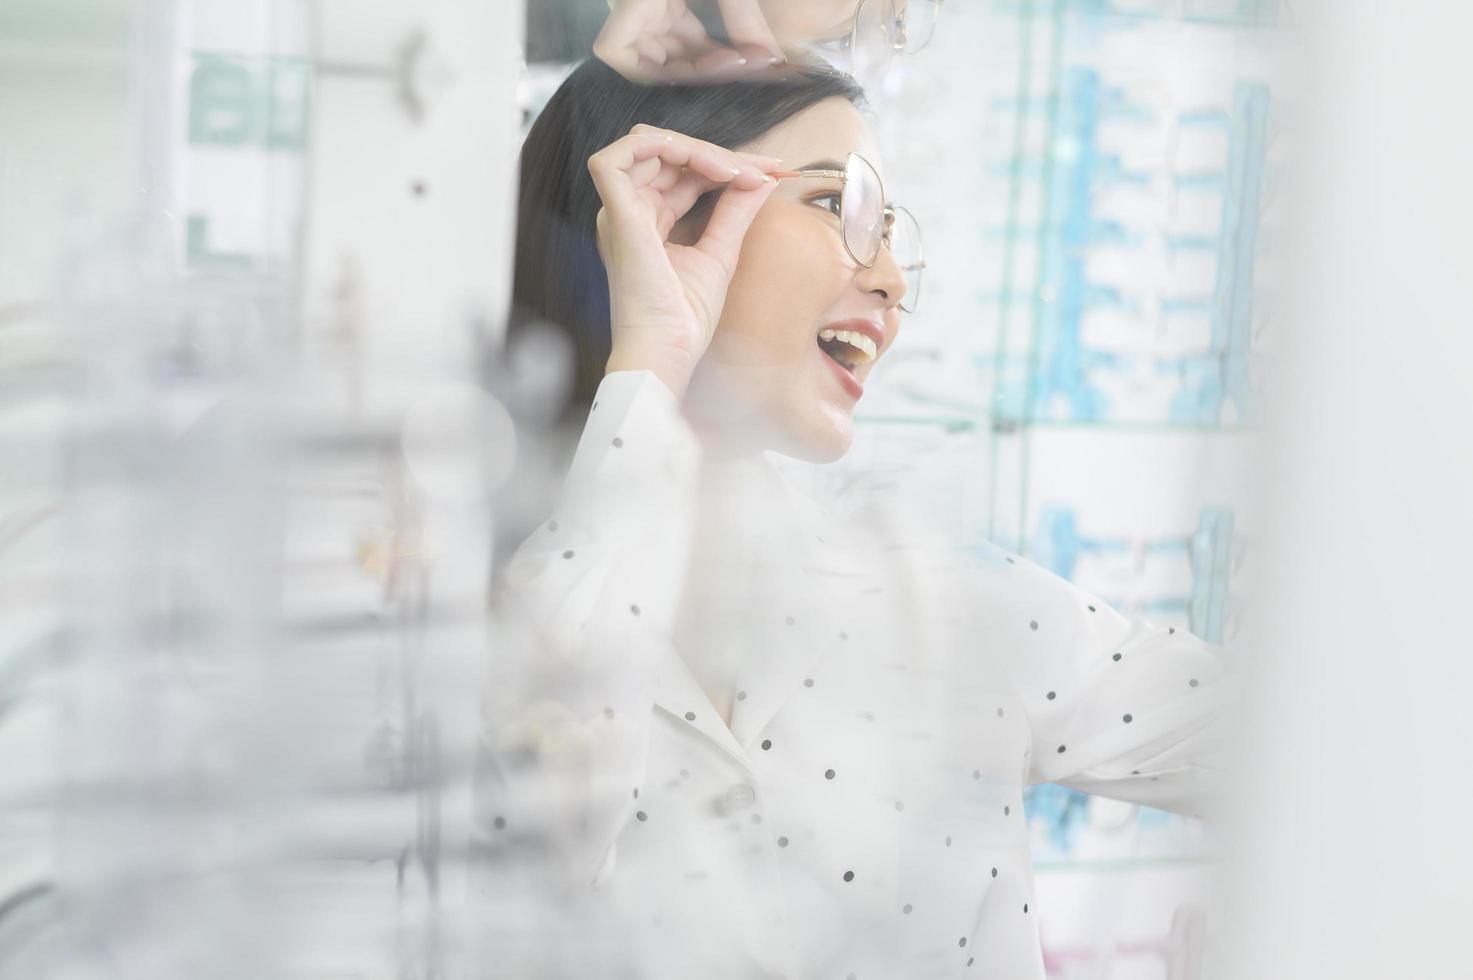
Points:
(741, 61)
(766, 179)
(670, 139)
(774, 60)
(736, 171)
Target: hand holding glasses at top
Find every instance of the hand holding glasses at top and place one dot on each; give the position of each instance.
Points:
(664, 40)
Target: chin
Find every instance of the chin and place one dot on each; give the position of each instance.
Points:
(827, 446)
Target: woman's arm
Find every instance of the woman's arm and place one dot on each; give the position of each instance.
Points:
(1117, 705)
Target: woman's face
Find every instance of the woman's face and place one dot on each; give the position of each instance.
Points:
(765, 383)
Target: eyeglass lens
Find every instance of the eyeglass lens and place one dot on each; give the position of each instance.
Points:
(883, 28)
(864, 223)
(863, 210)
(915, 23)
(905, 248)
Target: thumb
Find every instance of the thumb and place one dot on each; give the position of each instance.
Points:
(729, 221)
(629, 22)
(746, 25)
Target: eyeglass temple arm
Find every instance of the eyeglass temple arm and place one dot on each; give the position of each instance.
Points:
(836, 174)
(780, 174)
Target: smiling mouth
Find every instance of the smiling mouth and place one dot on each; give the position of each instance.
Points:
(847, 348)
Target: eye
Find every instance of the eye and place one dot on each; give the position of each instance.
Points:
(831, 196)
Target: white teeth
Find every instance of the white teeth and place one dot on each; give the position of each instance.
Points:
(854, 339)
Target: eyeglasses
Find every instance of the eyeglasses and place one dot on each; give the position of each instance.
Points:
(867, 224)
(882, 29)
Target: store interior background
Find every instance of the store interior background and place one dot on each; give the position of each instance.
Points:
(254, 265)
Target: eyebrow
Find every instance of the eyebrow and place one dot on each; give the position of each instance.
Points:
(823, 165)
(832, 165)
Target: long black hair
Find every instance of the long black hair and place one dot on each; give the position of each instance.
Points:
(559, 281)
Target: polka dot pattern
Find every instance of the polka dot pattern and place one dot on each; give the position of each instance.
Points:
(959, 721)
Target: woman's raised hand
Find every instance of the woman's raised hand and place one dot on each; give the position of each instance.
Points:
(662, 40)
(665, 298)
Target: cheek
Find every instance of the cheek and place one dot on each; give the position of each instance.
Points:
(792, 269)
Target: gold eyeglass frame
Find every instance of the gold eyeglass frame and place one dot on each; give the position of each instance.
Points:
(898, 40)
(889, 213)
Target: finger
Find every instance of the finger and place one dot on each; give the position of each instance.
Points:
(729, 223)
(709, 60)
(611, 166)
(767, 164)
(615, 45)
(720, 62)
(650, 49)
(677, 70)
(709, 159)
(684, 194)
(669, 177)
(657, 175)
(691, 33)
(760, 59)
(682, 45)
(645, 173)
(678, 201)
(623, 60)
(747, 25)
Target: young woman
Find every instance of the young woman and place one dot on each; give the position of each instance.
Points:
(730, 732)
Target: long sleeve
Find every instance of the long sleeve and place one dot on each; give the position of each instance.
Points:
(588, 604)
(1116, 705)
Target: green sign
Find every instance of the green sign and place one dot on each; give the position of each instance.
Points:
(248, 102)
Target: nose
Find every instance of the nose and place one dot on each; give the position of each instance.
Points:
(885, 278)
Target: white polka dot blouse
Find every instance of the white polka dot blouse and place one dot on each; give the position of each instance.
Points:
(731, 732)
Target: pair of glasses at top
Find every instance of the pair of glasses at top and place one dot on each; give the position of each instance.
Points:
(881, 30)
(868, 224)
